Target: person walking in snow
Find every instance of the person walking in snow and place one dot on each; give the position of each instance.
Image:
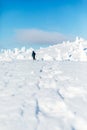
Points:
(33, 55)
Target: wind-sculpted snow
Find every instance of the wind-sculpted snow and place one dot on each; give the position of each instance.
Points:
(43, 95)
(72, 51)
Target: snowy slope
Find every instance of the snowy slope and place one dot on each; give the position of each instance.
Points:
(73, 51)
(47, 94)
(43, 95)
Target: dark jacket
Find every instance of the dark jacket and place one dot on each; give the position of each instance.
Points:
(33, 55)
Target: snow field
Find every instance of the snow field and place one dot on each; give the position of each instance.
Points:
(43, 95)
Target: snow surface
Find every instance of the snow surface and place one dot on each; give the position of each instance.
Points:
(43, 95)
(46, 94)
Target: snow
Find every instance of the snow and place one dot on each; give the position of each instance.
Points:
(47, 94)
(73, 51)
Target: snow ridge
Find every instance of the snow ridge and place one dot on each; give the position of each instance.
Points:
(73, 51)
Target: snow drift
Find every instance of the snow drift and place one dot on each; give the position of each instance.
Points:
(73, 51)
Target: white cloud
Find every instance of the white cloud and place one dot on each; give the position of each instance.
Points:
(38, 36)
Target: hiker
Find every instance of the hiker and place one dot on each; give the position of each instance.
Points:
(33, 55)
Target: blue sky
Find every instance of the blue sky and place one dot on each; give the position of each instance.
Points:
(39, 23)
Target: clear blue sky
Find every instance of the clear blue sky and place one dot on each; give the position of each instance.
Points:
(22, 22)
